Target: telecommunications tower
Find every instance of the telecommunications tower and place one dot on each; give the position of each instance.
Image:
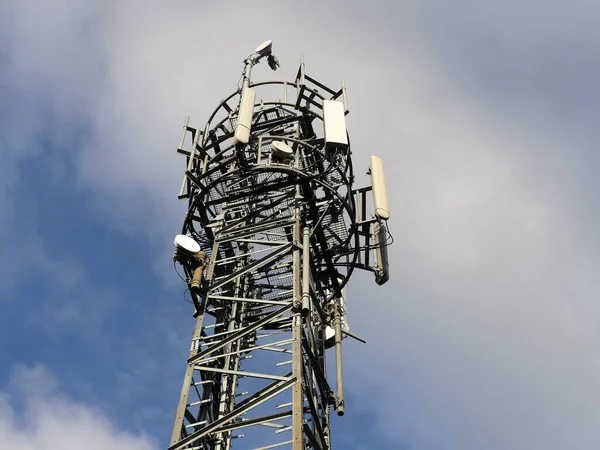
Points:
(273, 232)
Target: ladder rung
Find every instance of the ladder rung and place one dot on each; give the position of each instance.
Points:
(274, 445)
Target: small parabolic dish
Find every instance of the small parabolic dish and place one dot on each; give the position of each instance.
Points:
(186, 244)
(264, 48)
(282, 151)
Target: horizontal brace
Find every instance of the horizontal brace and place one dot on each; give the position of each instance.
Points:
(321, 85)
(366, 222)
(362, 189)
(240, 373)
(257, 421)
(269, 447)
(256, 347)
(271, 349)
(337, 94)
(249, 300)
(196, 424)
(262, 242)
(200, 402)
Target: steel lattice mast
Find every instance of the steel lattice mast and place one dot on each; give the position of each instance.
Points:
(273, 232)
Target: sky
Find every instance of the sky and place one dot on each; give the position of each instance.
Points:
(485, 113)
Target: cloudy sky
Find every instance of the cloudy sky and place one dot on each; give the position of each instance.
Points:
(486, 115)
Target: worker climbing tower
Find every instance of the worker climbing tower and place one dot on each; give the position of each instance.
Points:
(273, 232)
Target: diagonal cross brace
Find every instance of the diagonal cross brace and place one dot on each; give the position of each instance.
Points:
(240, 334)
(256, 421)
(251, 402)
(258, 263)
(261, 227)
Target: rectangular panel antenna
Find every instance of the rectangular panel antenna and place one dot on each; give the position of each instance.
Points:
(382, 265)
(380, 200)
(242, 131)
(334, 125)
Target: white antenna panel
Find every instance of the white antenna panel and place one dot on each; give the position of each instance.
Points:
(242, 131)
(334, 124)
(382, 265)
(380, 199)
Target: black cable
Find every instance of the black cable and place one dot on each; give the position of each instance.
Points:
(185, 296)
(177, 272)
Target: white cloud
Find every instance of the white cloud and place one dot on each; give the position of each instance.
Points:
(34, 414)
(484, 337)
(45, 81)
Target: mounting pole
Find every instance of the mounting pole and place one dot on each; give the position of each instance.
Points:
(305, 272)
(297, 366)
(339, 378)
(248, 63)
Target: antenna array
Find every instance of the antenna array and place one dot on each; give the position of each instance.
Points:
(280, 230)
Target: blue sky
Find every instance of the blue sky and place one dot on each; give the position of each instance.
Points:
(486, 117)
